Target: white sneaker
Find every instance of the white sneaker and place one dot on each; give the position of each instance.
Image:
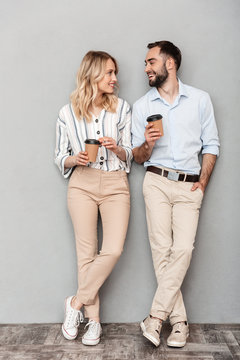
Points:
(72, 320)
(179, 334)
(92, 335)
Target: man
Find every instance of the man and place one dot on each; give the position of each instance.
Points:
(173, 189)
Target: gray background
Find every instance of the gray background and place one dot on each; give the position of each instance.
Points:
(42, 44)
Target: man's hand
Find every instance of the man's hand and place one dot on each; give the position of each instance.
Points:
(198, 185)
(151, 135)
(142, 153)
(208, 164)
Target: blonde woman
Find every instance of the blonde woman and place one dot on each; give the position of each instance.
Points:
(95, 112)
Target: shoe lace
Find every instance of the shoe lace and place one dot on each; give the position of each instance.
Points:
(74, 318)
(178, 327)
(157, 325)
(92, 327)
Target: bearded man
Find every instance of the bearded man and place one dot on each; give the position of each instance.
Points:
(174, 182)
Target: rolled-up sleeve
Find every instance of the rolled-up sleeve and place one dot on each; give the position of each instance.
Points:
(209, 136)
(63, 147)
(125, 137)
(138, 127)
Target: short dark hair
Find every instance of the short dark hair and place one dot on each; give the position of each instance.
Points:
(168, 48)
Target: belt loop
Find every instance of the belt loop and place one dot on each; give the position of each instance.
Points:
(185, 176)
(162, 171)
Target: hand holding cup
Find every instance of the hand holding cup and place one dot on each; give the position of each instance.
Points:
(81, 158)
(154, 129)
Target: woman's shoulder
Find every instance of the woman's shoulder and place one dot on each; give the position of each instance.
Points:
(66, 112)
(64, 109)
(123, 104)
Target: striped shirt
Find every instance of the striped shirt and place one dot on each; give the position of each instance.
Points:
(71, 134)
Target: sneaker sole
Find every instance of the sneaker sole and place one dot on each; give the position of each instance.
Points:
(177, 344)
(67, 336)
(149, 336)
(91, 342)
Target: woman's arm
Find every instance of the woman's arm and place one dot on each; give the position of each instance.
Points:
(110, 144)
(80, 159)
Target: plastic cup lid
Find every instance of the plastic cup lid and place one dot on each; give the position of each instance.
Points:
(154, 117)
(92, 142)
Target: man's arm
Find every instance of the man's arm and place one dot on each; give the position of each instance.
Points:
(208, 164)
(142, 153)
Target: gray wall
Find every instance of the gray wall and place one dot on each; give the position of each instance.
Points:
(42, 44)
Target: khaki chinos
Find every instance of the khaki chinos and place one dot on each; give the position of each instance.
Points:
(89, 191)
(172, 212)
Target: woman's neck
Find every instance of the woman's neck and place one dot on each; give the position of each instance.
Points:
(98, 101)
(96, 106)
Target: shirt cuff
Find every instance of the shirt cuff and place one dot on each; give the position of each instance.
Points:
(211, 149)
(129, 157)
(67, 172)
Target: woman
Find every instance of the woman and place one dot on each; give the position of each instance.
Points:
(95, 112)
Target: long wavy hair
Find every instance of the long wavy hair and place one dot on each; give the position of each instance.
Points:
(91, 71)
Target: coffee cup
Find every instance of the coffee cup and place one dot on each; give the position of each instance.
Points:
(156, 120)
(91, 146)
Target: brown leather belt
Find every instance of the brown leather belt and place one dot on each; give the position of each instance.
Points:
(173, 175)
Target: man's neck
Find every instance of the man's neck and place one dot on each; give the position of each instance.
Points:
(169, 90)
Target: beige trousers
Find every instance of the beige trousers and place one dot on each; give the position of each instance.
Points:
(91, 191)
(172, 212)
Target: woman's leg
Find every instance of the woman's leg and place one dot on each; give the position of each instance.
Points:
(90, 189)
(84, 214)
(114, 211)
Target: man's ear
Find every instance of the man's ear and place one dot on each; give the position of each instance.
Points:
(170, 63)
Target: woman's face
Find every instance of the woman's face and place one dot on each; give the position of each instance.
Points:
(106, 85)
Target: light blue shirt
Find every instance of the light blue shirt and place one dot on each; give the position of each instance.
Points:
(189, 128)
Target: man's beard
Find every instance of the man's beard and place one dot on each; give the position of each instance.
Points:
(160, 78)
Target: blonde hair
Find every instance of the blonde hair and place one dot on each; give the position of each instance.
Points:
(91, 71)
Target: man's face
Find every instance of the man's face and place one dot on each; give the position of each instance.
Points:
(155, 67)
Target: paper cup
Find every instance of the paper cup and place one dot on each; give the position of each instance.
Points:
(156, 120)
(91, 146)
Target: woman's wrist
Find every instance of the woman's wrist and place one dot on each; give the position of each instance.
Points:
(120, 152)
(70, 162)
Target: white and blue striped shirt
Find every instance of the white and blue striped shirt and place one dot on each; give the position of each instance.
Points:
(71, 134)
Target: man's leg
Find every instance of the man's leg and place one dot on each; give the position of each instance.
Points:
(157, 196)
(159, 220)
(185, 214)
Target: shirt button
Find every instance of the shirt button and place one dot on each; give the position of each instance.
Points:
(98, 132)
(102, 158)
(101, 163)
(96, 120)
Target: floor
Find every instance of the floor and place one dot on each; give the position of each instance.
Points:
(119, 342)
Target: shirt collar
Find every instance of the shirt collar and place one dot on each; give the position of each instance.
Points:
(154, 94)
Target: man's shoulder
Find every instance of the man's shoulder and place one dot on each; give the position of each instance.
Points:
(195, 92)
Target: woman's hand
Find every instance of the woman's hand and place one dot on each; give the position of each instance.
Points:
(80, 159)
(110, 144)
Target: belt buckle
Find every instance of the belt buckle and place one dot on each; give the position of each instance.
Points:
(172, 175)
